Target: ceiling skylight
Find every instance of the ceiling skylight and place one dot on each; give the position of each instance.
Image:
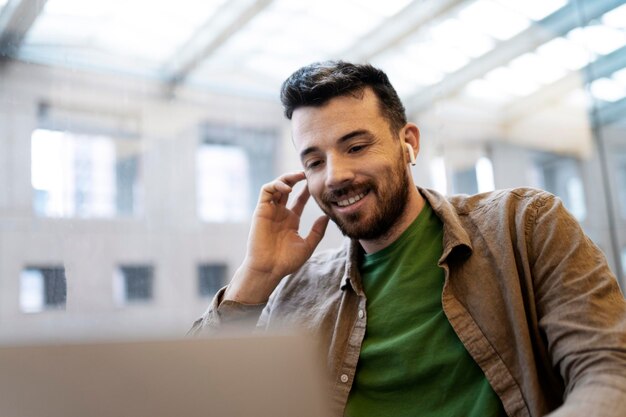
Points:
(494, 19)
(534, 9)
(577, 98)
(411, 77)
(607, 89)
(566, 53)
(131, 28)
(456, 34)
(512, 81)
(486, 90)
(385, 8)
(427, 52)
(620, 77)
(598, 38)
(616, 18)
(251, 46)
(538, 68)
(288, 34)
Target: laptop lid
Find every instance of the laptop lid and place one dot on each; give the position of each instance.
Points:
(275, 376)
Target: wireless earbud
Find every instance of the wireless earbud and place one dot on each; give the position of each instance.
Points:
(411, 153)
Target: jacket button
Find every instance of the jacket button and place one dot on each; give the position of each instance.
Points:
(344, 378)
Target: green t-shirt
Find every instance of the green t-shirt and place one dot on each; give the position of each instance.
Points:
(412, 363)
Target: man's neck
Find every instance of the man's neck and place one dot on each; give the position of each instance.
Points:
(413, 208)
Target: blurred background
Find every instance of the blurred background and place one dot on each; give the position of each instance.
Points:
(135, 134)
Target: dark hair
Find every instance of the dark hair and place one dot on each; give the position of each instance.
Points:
(317, 83)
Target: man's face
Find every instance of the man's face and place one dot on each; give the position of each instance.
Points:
(354, 165)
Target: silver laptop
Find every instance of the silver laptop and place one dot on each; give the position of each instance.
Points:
(237, 376)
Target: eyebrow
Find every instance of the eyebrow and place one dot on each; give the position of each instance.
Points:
(341, 140)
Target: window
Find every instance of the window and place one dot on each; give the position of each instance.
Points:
(484, 175)
(223, 183)
(231, 166)
(42, 288)
(82, 175)
(464, 181)
(561, 176)
(211, 277)
(438, 176)
(133, 283)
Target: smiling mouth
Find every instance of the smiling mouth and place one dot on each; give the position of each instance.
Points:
(349, 201)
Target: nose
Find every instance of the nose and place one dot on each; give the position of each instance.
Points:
(339, 172)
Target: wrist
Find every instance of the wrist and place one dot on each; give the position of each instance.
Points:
(250, 287)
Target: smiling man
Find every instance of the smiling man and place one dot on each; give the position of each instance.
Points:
(487, 305)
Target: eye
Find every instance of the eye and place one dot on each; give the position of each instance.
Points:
(314, 163)
(356, 148)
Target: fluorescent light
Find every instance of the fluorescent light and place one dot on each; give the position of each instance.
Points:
(494, 19)
(600, 39)
(566, 53)
(535, 9)
(607, 89)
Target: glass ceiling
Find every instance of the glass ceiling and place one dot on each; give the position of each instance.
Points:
(250, 46)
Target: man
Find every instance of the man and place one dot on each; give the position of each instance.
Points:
(487, 305)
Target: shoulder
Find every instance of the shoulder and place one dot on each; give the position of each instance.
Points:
(500, 213)
(513, 199)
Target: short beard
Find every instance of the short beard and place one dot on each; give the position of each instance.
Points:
(393, 197)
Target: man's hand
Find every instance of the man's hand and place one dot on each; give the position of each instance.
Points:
(275, 248)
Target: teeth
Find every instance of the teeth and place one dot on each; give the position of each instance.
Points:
(350, 200)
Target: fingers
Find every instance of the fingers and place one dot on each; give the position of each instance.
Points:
(278, 190)
(300, 202)
(317, 231)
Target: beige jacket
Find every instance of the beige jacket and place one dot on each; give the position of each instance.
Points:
(529, 295)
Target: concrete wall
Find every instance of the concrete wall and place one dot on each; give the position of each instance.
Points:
(167, 235)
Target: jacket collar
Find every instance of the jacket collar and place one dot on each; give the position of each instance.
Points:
(456, 240)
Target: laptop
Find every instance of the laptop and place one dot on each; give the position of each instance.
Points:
(234, 376)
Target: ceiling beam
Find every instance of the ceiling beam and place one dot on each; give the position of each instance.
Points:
(398, 27)
(573, 15)
(16, 19)
(228, 20)
(601, 67)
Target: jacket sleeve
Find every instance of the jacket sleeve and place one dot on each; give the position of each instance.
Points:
(231, 315)
(581, 311)
(221, 315)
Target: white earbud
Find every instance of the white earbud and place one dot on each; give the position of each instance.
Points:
(411, 153)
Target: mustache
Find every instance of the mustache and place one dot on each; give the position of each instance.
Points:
(331, 196)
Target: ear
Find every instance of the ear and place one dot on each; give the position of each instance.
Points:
(411, 136)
